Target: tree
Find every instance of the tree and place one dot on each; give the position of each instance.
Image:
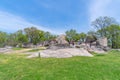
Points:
(82, 37)
(33, 34)
(3, 38)
(71, 35)
(92, 33)
(113, 35)
(12, 39)
(48, 36)
(21, 38)
(102, 22)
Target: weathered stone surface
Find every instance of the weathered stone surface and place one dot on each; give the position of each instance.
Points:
(98, 45)
(58, 46)
(103, 41)
(61, 39)
(97, 50)
(3, 50)
(106, 48)
(6, 49)
(59, 43)
(62, 53)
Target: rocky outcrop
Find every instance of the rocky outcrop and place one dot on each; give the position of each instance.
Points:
(5, 49)
(62, 53)
(61, 39)
(103, 41)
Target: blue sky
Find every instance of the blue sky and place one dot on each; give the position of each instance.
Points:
(55, 16)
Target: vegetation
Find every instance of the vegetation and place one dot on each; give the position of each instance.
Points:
(17, 67)
(37, 49)
(72, 35)
(108, 27)
(2, 38)
(28, 35)
(33, 34)
(17, 48)
(34, 50)
(113, 35)
(102, 22)
(105, 27)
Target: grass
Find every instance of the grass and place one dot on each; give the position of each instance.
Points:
(17, 67)
(33, 50)
(17, 48)
(36, 49)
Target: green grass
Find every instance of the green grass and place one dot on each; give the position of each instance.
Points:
(17, 48)
(36, 49)
(17, 67)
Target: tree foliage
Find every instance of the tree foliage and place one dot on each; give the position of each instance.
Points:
(3, 38)
(82, 37)
(108, 27)
(113, 35)
(101, 23)
(28, 35)
(71, 35)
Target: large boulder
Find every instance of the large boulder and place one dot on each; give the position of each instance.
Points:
(90, 39)
(59, 43)
(28, 45)
(5, 49)
(58, 46)
(62, 53)
(97, 50)
(97, 45)
(61, 39)
(103, 41)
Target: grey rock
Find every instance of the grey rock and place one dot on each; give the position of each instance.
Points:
(62, 53)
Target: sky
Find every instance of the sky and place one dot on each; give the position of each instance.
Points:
(55, 16)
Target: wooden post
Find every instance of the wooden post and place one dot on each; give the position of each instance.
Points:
(39, 54)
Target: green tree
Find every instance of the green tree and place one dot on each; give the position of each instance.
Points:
(12, 39)
(82, 37)
(71, 35)
(20, 38)
(91, 33)
(34, 35)
(3, 38)
(48, 36)
(113, 35)
(101, 23)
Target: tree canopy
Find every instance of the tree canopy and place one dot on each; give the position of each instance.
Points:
(102, 22)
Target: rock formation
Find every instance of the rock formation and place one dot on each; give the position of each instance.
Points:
(61, 39)
(62, 53)
(97, 45)
(62, 49)
(60, 43)
(103, 41)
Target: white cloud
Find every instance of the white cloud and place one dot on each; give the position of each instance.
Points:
(104, 8)
(10, 22)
